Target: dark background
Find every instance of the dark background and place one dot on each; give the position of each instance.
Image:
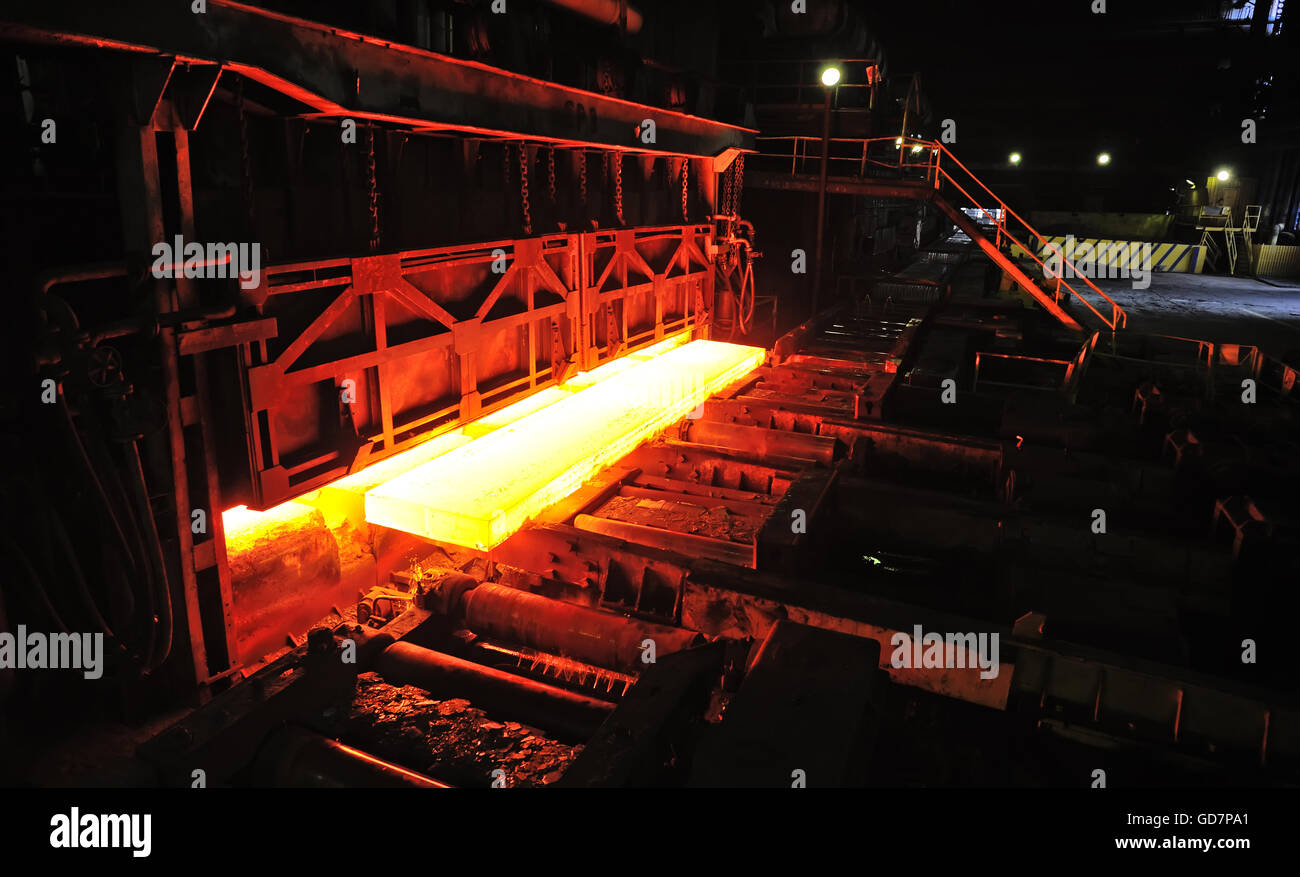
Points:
(1162, 85)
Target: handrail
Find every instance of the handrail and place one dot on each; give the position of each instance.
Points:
(1118, 318)
(936, 174)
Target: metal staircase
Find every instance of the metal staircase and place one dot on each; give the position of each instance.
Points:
(897, 167)
(1211, 221)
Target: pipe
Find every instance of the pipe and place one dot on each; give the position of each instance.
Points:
(297, 758)
(591, 636)
(613, 12)
(110, 270)
(133, 325)
(495, 691)
(762, 441)
(81, 274)
(137, 325)
(821, 202)
(155, 565)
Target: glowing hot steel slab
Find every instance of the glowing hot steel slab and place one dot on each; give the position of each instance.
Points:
(345, 498)
(479, 493)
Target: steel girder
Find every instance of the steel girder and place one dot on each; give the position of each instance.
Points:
(338, 74)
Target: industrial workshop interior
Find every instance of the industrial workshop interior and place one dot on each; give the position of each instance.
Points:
(672, 394)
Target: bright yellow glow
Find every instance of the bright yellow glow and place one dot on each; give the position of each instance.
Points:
(1223, 175)
(508, 415)
(830, 76)
(582, 380)
(1104, 158)
(1015, 158)
(345, 497)
(479, 493)
(244, 526)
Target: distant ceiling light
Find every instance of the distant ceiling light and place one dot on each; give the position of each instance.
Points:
(1190, 183)
(917, 148)
(1014, 158)
(898, 142)
(830, 76)
(1104, 158)
(1223, 175)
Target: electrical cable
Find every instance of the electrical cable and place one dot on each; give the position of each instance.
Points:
(163, 597)
(84, 457)
(78, 577)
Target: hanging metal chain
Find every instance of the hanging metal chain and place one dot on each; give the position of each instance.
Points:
(550, 172)
(724, 203)
(618, 187)
(523, 187)
(739, 188)
(686, 182)
(582, 175)
(245, 164)
(373, 183)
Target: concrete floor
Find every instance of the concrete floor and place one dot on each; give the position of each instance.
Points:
(1235, 310)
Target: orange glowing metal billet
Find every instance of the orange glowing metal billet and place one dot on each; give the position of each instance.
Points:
(345, 497)
(482, 491)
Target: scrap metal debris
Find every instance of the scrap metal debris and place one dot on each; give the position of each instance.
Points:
(450, 740)
(715, 522)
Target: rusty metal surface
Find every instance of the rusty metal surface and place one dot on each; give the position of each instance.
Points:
(431, 339)
(601, 638)
(297, 758)
(500, 693)
(642, 284)
(339, 74)
(670, 538)
(449, 739)
(638, 744)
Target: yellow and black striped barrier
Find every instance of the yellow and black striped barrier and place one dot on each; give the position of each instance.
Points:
(1111, 256)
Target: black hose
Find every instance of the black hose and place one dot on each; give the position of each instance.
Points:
(141, 563)
(122, 584)
(110, 510)
(724, 281)
(740, 322)
(79, 578)
(162, 586)
(149, 649)
(94, 476)
(106, 468)
(141, 552)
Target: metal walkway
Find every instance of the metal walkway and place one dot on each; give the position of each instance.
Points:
(924, 170)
